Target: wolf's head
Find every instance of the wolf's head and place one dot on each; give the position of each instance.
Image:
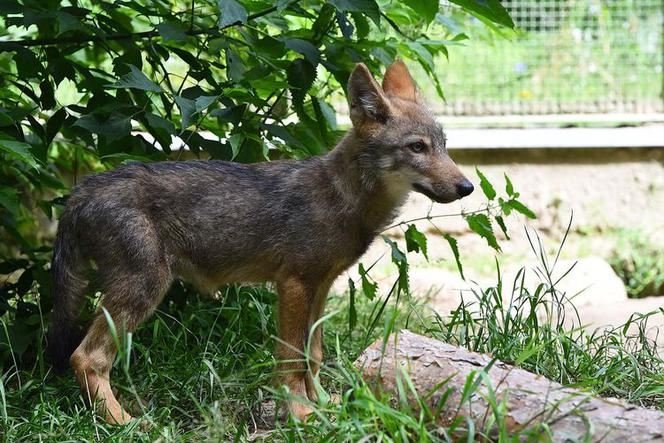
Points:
(401, 141)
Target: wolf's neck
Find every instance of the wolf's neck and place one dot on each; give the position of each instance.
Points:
(359, 185)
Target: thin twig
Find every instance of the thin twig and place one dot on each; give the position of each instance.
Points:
(431, 217)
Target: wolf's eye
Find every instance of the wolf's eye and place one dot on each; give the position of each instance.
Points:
(417, 147)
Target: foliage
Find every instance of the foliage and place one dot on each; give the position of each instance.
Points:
(639, 263)
(87, 85)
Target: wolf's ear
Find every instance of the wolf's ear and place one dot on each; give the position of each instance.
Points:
(366, 98)
(400, 83)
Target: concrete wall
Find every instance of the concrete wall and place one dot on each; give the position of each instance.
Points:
(606, 188)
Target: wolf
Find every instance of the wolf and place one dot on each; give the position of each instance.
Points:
(296, 223)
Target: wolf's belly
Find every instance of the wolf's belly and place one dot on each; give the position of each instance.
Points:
(209, 280)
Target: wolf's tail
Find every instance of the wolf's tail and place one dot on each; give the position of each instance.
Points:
(65, 332)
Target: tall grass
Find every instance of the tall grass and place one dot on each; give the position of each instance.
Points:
(202, 370)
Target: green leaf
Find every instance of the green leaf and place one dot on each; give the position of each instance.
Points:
(27, 63)
(189, 108)
(301, 75)
(398, 257)
(416, 241)
(283, 4)
(423, 54)
(203, 102)
(9, 199)
(135, 79)
(490, 9)
(368, 7)
(323, 21)
(509, 189)
(501, 223)
(455, 250)
(54, 124)
(282, 133)
(235, 68)
(172, 31)
(330, 115)
(270, 47)
(520, 207)
(113, 128)
(369, 287)
(161, 129)
(486, 186)
(427, 9)
(233, 114)
(47, 97)
(160, 123)
(305, 48)
(352, 312)
(67, 22)
(236, 141)
(5, 118)
(230, 13)
(321, 125)
(362, 26)
(19, 151)
(345, 26)
(504, 206)
(11, 7)
(481, 224)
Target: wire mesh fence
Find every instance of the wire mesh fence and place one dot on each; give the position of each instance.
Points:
(571, 56)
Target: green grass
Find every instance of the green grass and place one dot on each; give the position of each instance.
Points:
(201, 369)
(579, 65)
(550, 67)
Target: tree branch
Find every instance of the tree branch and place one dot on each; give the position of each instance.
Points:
(11, 45)
(447, 383)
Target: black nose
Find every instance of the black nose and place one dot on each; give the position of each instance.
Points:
(464, 188)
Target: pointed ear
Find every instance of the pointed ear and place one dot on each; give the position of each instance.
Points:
(366, 98)
(398, 82)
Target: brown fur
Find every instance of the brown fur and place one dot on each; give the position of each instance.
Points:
(297, 223)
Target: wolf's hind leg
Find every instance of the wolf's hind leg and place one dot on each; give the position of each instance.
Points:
(92, 363)
(129, 299)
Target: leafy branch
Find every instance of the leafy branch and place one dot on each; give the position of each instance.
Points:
(11, 45)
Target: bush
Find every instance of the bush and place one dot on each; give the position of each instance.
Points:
(85, 87)
(639, 264)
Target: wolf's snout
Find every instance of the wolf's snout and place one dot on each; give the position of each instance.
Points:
(464, 188)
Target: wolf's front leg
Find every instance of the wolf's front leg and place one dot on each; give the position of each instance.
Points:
(315, 337)
(296, 302)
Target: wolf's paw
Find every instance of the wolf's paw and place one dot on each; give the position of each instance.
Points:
(120, 418)
(299, 411)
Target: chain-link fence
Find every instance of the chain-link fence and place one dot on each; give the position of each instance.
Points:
(572, 56)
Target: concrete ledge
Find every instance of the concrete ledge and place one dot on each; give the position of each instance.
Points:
(649, 136)
(551, 120)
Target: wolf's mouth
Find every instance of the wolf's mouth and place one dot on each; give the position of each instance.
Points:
(426, 190)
